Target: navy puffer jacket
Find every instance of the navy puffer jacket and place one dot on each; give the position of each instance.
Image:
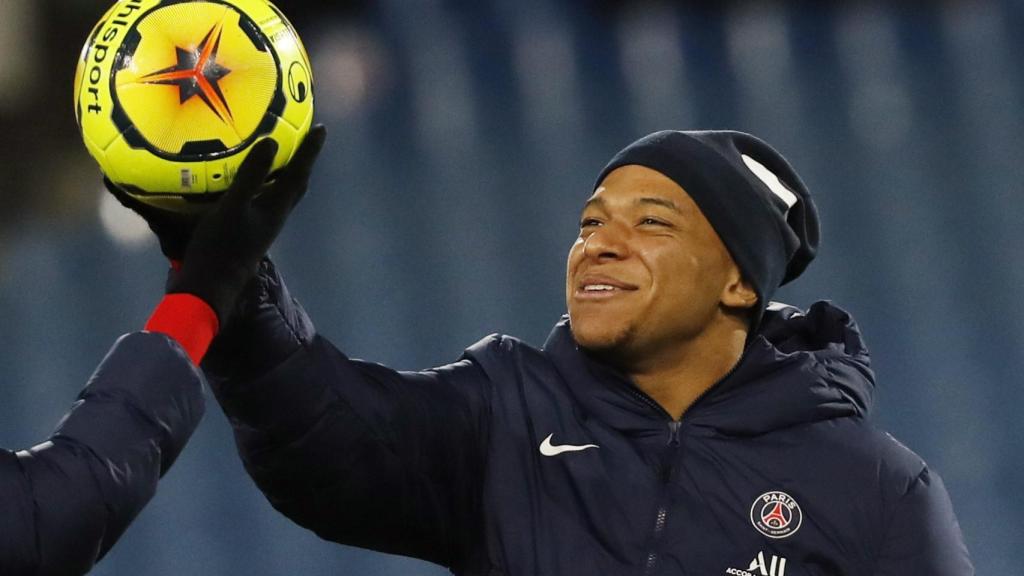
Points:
(524, 461)
(66, 501)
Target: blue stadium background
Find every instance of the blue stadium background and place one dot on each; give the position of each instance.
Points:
(464, 138)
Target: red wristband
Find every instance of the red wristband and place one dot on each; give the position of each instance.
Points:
(187, 319)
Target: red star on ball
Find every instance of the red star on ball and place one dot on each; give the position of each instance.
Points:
(197, 73)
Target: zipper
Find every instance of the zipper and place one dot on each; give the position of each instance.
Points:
(724, 377)
(673, 432)
(642, 396)
(672, 445)
(659, 527)
(661, 518)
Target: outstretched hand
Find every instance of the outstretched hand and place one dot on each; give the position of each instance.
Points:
(228, 242)
(220, 250)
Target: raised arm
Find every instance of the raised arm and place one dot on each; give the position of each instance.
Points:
(357, 452)
(67, 500)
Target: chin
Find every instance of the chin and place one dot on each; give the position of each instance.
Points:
(599, 337)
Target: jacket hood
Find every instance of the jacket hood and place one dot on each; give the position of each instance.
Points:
(801, 367)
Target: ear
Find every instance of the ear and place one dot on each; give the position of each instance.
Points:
(738, 292)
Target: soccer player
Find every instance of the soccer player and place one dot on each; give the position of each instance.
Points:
(675, 421)
(67, 500)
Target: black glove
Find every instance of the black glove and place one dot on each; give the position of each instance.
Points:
(221, 249)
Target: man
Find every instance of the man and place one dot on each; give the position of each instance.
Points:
(673, 422)
(67, 500)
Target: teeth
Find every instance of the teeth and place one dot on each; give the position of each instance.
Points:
(597, 287)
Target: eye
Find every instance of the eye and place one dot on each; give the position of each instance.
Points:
(589, 222)
(652, 221)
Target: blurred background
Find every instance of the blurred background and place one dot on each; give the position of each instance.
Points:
(464, 137)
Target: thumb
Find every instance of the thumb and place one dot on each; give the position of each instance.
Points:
(251, 174)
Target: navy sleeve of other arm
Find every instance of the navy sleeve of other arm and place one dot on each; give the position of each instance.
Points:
(67, 500)
(924, 535)
(357, 452)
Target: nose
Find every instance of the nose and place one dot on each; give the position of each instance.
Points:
(608, 242)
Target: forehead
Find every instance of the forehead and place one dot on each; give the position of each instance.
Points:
(628, 184)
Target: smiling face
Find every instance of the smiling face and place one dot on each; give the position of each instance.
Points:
(647, 273)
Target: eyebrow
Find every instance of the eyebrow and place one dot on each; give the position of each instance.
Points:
(664, 203)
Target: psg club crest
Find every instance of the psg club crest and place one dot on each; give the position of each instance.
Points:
(776, 514)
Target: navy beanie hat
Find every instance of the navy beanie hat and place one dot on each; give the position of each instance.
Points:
(749, 193)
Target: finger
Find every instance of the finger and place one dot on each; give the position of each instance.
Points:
(252, 173)
(301, 164)
(280, 198)
(291, 186)
(304, 160)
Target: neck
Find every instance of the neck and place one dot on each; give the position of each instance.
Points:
(677, 377)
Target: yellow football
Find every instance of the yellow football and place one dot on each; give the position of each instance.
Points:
(170, 95)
